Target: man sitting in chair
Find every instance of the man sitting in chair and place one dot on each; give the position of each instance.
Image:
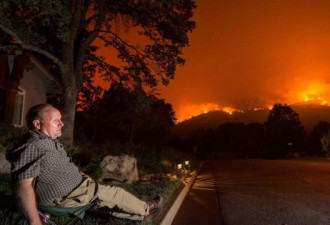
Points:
(43, 174)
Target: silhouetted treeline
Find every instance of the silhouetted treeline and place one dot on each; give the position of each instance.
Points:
(281, 136)
(131, 116)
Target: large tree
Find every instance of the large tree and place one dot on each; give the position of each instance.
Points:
(127, 116)
(284, 131)
(63, 34)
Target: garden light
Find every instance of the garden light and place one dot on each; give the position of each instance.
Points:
(187, 166)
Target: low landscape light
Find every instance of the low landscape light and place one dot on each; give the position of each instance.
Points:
(187, 166)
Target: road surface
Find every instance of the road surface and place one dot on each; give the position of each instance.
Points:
(260, 192)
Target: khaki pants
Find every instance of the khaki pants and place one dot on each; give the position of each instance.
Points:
(121, 203)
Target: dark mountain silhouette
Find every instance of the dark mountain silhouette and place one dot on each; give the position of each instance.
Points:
(309, 115)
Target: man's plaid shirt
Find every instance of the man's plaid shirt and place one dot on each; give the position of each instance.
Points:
(44, 159)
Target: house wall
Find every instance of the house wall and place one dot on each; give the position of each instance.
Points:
(34, 85)
(24, 82)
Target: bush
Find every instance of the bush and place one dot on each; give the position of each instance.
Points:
(150, 160)
(9, 137)
(89, 156)
(161, 160)
(5, 182)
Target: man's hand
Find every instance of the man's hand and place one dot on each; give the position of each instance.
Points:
(84, 175)
(27, 201)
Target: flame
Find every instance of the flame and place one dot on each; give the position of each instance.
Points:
(307, 91)
(188, 111)
(230, 110)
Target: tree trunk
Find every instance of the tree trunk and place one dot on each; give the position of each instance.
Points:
(132, 133)
(70, 88)
(70, 101)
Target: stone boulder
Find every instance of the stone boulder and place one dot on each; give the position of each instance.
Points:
(4, 164)
(119, 169)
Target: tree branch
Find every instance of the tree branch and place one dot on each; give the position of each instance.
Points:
(76, 16)
(106, 67)
(29, 46)
(95, 32)
(85, 43)
(125, 43)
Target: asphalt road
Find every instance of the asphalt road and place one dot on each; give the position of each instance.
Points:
(259, 192)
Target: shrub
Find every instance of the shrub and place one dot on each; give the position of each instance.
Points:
(151, 160)
(89, 156)
(161, 160)
(9, 137)
(5, 182)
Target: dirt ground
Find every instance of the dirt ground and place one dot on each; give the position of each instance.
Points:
(273, 192)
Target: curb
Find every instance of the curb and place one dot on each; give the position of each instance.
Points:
(168, 219)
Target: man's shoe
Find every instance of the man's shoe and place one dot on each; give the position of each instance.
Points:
(153, 214)
(155, 202)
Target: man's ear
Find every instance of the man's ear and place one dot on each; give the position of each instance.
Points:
(36, 124)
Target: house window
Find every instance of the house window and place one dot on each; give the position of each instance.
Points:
(18, 109)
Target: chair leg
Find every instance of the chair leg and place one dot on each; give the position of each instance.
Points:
(46, 219)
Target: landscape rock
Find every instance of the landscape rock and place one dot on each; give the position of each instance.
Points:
(119, 168)
(4, 164)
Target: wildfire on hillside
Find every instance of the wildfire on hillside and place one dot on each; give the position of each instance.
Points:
(190, 110)
(311, 93)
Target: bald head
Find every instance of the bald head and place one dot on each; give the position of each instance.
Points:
(45, 118)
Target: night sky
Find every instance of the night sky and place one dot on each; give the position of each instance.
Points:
(246, 54)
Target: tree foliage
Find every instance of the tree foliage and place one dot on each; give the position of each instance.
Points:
(313, 141)
(284, 131)
(229, 140)
(127, 116)
(63, 35)
(325, 141)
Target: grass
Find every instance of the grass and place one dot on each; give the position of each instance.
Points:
(8, 210)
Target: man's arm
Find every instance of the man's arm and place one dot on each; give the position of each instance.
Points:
(27, 201)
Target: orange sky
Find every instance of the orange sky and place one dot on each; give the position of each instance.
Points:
(251, 54)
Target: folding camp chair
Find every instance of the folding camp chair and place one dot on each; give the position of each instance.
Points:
(77, 212)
